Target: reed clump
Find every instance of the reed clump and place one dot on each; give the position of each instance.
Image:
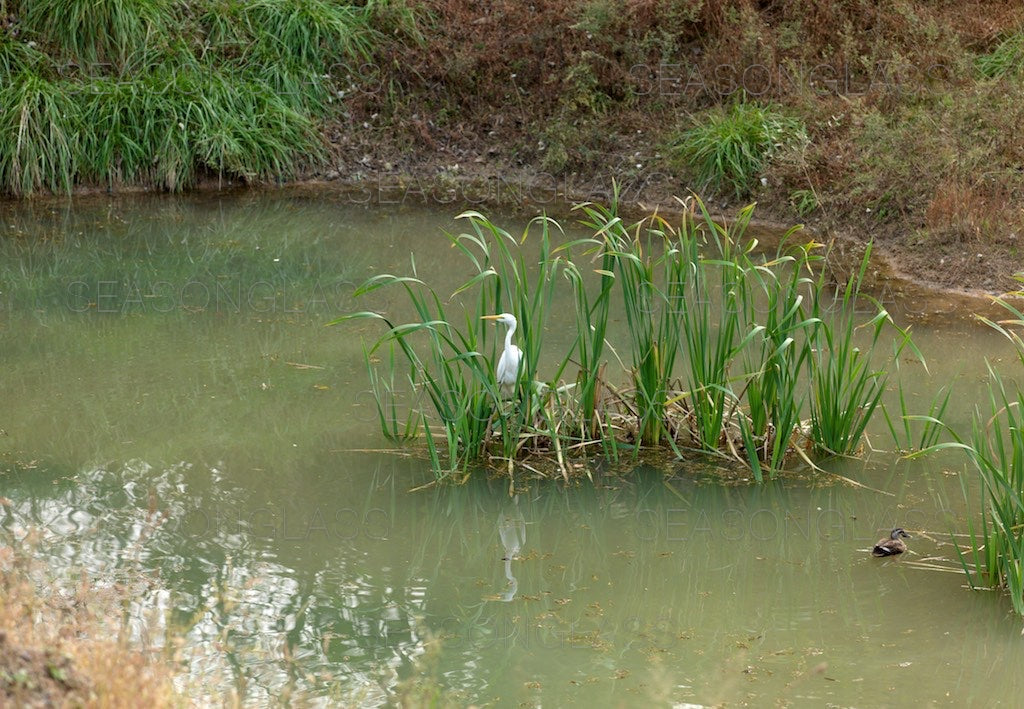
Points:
(726, 353)
(994, 556)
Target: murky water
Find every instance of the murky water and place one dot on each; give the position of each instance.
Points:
(175, 412)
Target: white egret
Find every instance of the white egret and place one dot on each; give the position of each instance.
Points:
(511, 357)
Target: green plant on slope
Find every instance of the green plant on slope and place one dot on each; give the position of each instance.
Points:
(803, 201)
(728, 150)
(1007, 59)
(100, 31)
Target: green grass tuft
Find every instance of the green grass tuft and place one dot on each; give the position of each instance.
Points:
(39, 138)
(99, 31)
(728, 150)
(803, 201)
(1007, 59)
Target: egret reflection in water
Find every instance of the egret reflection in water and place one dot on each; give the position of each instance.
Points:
(512, 532)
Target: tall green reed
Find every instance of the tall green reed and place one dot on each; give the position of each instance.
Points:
(715, 315)
(591, 328)
(846, 385)
(397, 423)
(995, 448)
(780, 353)
(914, 432)
(455, 373)
(449, 373)
(649, 276)
(508, 283)
(997, 451)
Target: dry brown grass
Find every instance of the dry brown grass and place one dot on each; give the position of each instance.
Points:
(975, 212)
(505, 53)
(61, 647)
(901, 124)
(492, 74)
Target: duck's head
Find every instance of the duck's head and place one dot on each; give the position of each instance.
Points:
(899, 532)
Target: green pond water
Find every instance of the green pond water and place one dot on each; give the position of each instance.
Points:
(176, 417)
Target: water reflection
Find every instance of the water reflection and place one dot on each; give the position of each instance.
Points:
(512, 532)
(272, 595)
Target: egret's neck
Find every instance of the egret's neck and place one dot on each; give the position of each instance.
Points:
(508, 335)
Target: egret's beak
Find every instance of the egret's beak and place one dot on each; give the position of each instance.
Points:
(489, 317)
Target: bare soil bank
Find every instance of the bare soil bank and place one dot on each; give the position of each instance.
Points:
(910, 143)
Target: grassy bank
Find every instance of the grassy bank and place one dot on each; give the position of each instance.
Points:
(163, 94)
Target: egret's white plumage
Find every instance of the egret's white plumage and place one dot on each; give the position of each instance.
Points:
(511, 357)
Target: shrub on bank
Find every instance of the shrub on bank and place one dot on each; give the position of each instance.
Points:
(729, 149)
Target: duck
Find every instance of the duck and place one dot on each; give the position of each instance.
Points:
(893, 545)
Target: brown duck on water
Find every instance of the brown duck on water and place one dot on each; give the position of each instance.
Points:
(892, 545)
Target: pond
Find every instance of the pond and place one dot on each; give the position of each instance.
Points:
(177, 418)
